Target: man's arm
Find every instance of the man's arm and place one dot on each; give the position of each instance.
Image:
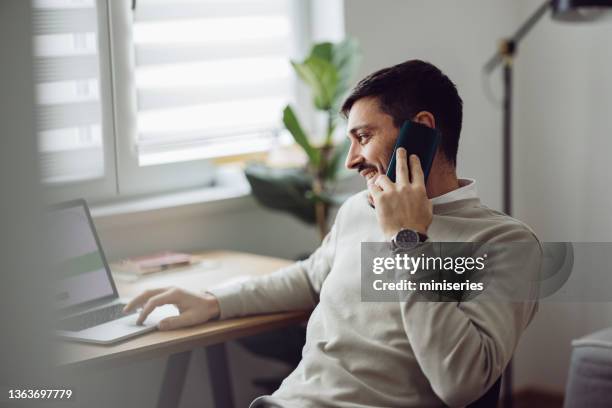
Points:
(463, 348)
(295, 287)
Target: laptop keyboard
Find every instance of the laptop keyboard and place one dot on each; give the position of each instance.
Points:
(93, 318)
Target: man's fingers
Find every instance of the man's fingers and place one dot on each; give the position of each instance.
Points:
(383, 182)
(142, 299)
(401, 167)
(175, 322)
(374, 191)
(416, 171)
(373, 188)
(164, 298)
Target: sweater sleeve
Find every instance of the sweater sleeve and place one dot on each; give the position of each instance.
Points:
(463, 347)
(295, 287)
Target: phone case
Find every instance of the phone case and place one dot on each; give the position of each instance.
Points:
(416, 139)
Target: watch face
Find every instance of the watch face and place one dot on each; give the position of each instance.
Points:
(406, 238)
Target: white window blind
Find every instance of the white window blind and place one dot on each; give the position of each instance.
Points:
(211, 76)
(66, 71)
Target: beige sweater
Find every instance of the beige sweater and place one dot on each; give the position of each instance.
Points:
(387, 354)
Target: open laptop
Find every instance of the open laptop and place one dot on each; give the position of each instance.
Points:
(85, 294)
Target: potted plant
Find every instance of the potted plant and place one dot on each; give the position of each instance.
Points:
(307, 193)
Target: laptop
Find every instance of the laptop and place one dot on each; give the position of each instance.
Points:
(86, 297)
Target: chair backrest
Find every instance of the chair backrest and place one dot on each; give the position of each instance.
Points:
(589, 383)
(489, 399)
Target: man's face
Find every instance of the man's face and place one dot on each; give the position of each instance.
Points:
(372, 135)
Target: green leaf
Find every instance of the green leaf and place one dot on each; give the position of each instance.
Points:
(346, 58)
(324, 51)
(322, 77)
(293, 126)
(282, 189)
(331, 127)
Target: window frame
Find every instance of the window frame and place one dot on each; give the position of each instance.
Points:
(104, 187)
(137, 180)
(123, 177)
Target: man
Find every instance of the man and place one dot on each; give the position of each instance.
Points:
(403, 353)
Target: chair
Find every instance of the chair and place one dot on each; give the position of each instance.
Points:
(589, 383)
(489, 399)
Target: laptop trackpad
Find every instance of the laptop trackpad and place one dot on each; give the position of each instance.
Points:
(156, 316)
(124, 328)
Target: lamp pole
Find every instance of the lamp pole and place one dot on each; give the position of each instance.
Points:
(505, 57)
(507, 130)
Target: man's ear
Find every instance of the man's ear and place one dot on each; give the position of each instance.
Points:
(425, 118)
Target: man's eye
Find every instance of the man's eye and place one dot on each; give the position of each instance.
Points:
(363, 138)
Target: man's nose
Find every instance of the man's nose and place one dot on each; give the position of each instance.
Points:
(354, 158)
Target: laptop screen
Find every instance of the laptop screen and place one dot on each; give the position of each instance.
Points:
(80, 265)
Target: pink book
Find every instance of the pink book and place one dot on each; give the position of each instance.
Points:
(156, 262)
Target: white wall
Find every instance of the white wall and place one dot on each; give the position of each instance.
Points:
(236, 224)
(563, 179)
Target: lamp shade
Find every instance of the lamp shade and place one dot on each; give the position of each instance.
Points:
(580, 10)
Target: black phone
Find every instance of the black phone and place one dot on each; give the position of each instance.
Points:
(416, 139)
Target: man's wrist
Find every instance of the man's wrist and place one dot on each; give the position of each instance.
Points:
(421, 230)
(212, 304)
(407, 239)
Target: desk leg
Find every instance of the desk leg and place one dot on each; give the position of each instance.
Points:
(218, 372)
(174, 379)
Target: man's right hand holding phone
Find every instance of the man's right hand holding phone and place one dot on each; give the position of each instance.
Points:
(193, 308)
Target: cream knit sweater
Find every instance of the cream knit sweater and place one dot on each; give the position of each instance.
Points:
(387, 354)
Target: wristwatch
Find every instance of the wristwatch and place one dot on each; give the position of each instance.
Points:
(407, 239)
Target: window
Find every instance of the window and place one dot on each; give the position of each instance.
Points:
(194, 80)
(191, 80)
(211, 76)
(72, 93)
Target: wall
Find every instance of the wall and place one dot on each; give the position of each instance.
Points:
(238, 224)
(563, 140)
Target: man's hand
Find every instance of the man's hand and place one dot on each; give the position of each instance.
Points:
(403, 204)
(194, 309)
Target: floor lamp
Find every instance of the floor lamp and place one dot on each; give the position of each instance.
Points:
(561, 10)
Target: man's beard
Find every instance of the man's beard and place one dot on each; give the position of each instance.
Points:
(363, 167)
(366, 166)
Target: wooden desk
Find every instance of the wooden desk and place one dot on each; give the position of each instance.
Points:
(217, 267)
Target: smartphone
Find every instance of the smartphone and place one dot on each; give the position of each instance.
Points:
(416, 139)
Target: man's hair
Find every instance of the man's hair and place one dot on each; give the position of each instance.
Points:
(405, 89)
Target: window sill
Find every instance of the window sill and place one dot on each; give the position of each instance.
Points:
(231, 184)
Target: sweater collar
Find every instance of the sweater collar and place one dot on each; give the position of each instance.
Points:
(467, 189)
(457, 205)
(465, 196)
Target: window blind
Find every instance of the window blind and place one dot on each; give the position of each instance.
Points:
(211, 76)
(66, 72)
